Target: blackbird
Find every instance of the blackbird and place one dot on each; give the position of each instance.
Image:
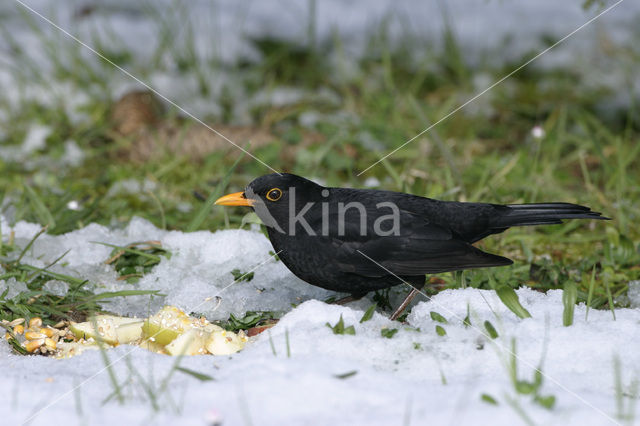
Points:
(360, 240)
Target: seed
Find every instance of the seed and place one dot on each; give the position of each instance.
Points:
(35, 322)
(59, 325)
(18, 329)
(16, 321)
(7, 336)
(47, 331)
(33, 345)
(50, 343)
(34, 335)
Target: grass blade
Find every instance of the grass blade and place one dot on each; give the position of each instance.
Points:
(200, 376)
(491, 330)
(590, 295)
(437, 317)
(54, 275)
(29, 244)
(511, 301)
(569, 297)
(208, 205)
(369, 313)
(42, 213)
(130, 250)
(610, 298)
(286, 337)
(123, 293)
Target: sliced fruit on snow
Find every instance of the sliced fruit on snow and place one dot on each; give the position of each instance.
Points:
(211, 328)
(169, 323)
(170, 331)
(69, 349)
(152, 346)
(101, 327)
(128, 333)
(225, 342)
(191, 342)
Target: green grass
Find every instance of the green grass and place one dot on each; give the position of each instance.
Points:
(626, 394)
(340, 328)
(136, 259)
(523, 389)
(77, 302)
(250, 319)
(485, 153)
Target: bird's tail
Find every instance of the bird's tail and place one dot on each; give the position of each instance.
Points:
(543, 214)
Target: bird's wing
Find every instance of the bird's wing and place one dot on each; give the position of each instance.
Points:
(407, 257)
(420, 248)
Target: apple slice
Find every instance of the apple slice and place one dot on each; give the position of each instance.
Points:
(152, 346)
(225, 343)
(170, 331)
(211, 328)
(191, 342)
(165, 326)
(102, 327)
(69, 349)
(130, 332)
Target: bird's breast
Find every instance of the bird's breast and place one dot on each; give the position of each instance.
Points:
(310, 258)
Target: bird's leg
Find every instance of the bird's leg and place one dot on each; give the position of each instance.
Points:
(413, 293)
(417, 284)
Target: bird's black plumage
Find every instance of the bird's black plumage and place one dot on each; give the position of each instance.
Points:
(356, 241)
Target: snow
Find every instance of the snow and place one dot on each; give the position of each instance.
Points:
(131, 186)
(35, 139)
(634, 293)
(371, 182)
(494, 32)
(416, 374)
(73, 155)
(199, 268)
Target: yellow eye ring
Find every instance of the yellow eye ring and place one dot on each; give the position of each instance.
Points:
(274, 194)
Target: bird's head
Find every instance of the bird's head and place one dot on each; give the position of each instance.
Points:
(275, 196)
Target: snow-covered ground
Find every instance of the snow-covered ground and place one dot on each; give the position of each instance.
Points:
(414, 377)
(222, 28)
(200, 268)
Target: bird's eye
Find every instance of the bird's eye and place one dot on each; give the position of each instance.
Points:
(274, 194)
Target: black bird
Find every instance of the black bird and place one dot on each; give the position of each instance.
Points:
(360, 240)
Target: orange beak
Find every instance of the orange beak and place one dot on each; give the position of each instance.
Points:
(235, 199)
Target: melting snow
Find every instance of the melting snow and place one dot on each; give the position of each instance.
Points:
(416, 375)
(222, 31)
